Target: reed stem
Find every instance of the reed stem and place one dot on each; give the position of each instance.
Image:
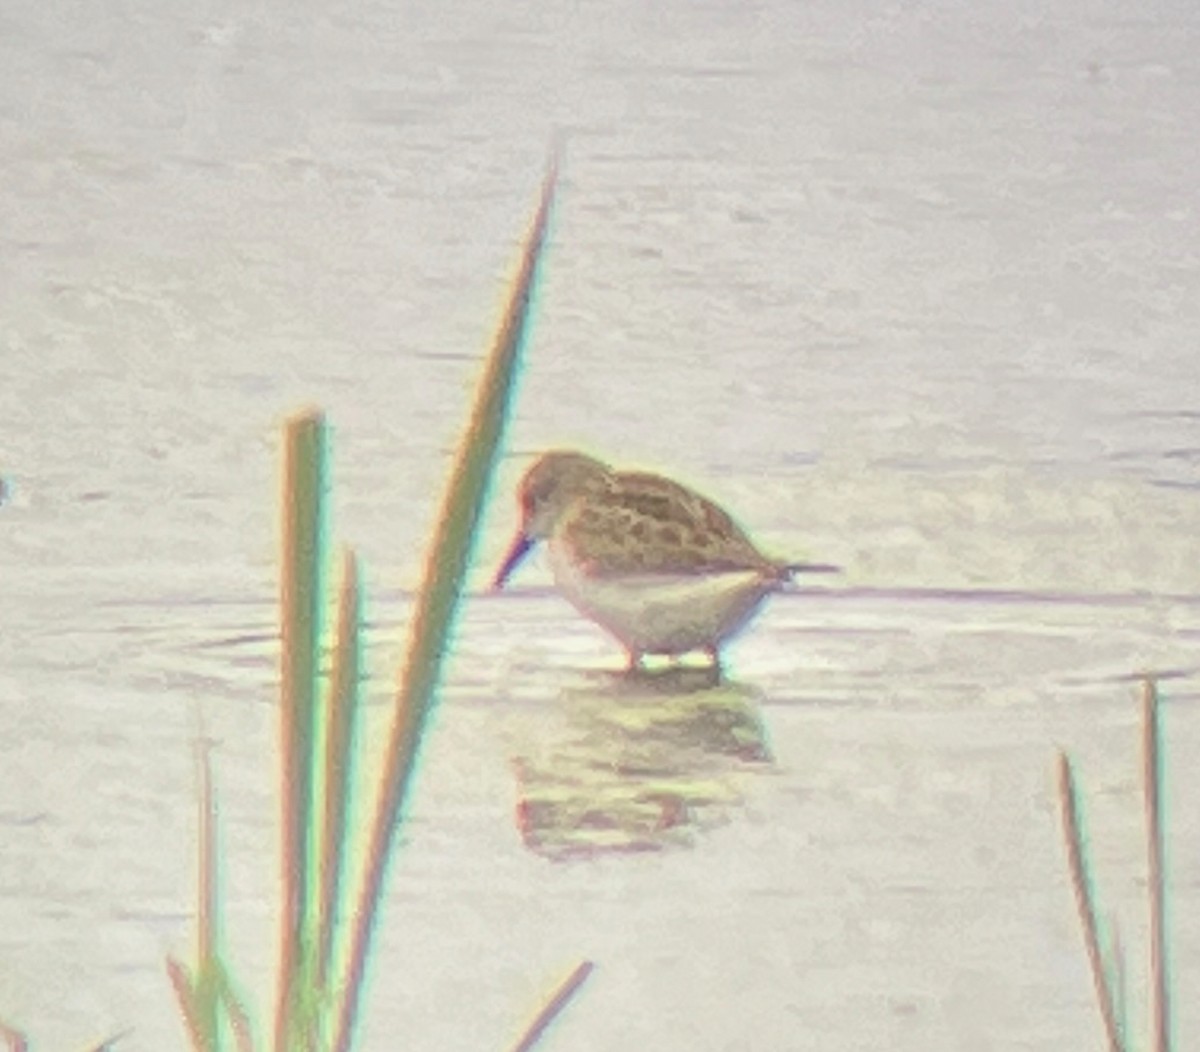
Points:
(558, 1001)
(1152, 772)
(1085, 903)
(445, 569)
(301, 587)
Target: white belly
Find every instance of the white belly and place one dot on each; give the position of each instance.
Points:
(662, 613)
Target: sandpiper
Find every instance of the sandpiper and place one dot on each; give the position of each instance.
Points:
(663, 569)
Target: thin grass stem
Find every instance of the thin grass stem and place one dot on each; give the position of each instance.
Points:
(1080, 882)
(1120, 975)
(235, 1010)
(1160, 1004)
(207, 905)
(109, 1042)
(566, 990)
(185, 994)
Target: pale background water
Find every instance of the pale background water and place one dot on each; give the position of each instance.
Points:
(912, 287)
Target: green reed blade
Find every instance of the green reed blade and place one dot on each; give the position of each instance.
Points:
(1152, 773)
(341, 716)
(445, 570)
(301, 588)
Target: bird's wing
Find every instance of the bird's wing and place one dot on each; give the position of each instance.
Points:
(641, 523)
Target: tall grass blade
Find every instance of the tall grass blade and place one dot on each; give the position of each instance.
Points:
(445, 569)
(541, 1022)
(303, 486)
(1160, 1003)
(341, 713)
(1084, 901)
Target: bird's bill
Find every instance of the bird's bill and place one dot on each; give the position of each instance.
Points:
(520, 548)
(813, 568)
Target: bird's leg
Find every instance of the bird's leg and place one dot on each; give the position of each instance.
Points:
(714, 657)
(635, 662)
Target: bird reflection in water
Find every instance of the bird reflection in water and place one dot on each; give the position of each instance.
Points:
(640, 762)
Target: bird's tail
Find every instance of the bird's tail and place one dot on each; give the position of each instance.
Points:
(788, 571)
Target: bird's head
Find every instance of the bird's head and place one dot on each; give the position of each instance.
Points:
(554, 481)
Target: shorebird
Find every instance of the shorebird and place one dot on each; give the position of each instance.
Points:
(663, 569)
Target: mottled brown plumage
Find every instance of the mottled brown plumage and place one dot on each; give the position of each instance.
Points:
(636, 522)
(662, 568)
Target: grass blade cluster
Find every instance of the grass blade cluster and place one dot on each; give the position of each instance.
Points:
(322, 961)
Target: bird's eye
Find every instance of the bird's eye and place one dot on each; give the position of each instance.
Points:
(539, 494)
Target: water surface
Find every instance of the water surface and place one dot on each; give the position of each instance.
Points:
(913, 289)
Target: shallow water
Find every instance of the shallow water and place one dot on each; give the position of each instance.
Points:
(911, 289)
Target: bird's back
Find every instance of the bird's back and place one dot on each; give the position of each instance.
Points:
(640, 523)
